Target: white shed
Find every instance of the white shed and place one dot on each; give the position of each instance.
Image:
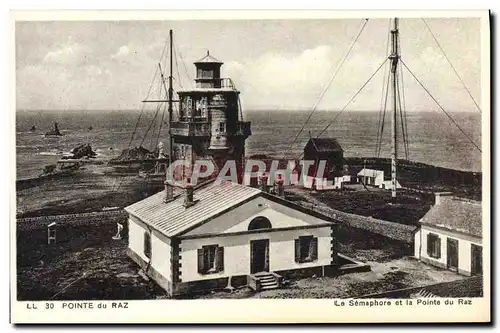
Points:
(371, 177)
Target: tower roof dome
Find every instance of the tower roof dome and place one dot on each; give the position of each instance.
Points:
(208, 59)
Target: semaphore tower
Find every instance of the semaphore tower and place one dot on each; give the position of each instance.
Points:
(209, 124)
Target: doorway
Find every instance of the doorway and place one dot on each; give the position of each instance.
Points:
(476, 259)
(452, 254)
(259, 256)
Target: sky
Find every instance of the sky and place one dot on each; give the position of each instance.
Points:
(276, 64)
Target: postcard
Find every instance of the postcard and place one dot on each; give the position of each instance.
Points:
(250, 166)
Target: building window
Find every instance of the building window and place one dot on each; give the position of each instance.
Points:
(222, 127)
(210, 259)
(147, 245)
(201, 107)
(433, 246)
(306, 249)
(187, 107)
(260, 222)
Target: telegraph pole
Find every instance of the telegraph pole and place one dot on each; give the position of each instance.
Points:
(394, 58)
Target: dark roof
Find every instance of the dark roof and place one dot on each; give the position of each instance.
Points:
(208, 59)
(213, 198)
(325, 144)
(456, 215)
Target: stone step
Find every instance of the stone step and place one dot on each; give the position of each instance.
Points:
(267, 278)
(264, 283)
(269, 287)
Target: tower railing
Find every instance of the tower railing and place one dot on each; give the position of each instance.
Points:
(189, 128)
(223, 83)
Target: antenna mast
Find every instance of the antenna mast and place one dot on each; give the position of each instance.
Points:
(170, 109)
(394, 58)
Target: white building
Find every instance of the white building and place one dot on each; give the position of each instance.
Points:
(324, 184)
(371, 177)
(387, 185)
(224, 233)
(450, 236)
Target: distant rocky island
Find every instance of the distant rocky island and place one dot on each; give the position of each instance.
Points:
(54, 133)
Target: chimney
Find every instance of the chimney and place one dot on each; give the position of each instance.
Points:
(263, 183)
(440, 197)
(169, 192)
(280, 189)
(189, 200)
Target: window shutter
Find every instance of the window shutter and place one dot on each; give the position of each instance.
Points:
(297, 250)
(201, 262)
(220, 259)
(438, 247)
(429, 245)
(147, 245)
(314, 246)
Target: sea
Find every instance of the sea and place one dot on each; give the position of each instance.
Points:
(432, 137)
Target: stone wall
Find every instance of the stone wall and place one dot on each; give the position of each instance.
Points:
(469, 287)
(388, 229)
(83, 219)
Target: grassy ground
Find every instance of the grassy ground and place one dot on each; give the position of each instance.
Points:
(408, 208)
(86, 190)
(85, 264)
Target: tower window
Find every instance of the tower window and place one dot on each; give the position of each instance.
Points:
(222, 127)
(205, 74)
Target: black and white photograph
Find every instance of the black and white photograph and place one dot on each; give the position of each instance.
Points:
(179, 159)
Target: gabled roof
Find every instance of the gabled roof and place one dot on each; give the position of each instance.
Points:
(325, 144)
(455, 214)
(173, 218)
(370, 173)
(208, 59)
(213, 199)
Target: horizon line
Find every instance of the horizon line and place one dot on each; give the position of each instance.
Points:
(247, 110)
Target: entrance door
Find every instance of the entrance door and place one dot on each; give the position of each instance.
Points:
(259, 256)
(476, 259)
(452, 254)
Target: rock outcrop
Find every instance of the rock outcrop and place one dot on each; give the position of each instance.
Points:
(134, 154)
(81, 151)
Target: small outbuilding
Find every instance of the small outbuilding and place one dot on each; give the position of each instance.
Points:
(371, 177)
(328, 150)
(450, 235)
